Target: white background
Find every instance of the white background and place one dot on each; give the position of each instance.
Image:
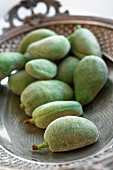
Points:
(102, 8)
(92, 7)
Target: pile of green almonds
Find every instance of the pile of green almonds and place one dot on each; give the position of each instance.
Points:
(55, 76)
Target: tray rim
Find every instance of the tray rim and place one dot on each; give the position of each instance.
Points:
(90, 20)
(46, 165)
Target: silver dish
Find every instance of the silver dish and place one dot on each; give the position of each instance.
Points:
(16, 138)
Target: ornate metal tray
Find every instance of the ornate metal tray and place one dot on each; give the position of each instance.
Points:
(16, 138)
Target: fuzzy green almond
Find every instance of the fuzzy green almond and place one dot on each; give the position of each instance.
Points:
(89, 78)
(52, 48)
(10, 61)
(69, 133)
(66, 69)
(85, 43)
(41, 69)
(43, 115)
(44, 91)
(34, 36)
(18, 81)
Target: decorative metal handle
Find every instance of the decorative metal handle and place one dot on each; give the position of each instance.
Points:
(35, 17)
